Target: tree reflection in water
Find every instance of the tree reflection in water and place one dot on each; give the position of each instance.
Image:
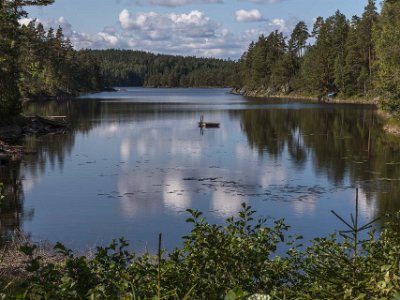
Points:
(341, 142)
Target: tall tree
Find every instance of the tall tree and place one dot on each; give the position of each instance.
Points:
(296, 50)
(353, 67)
(360, 53)
(259, 62)
(10, 12)
(9, 93)
(326, 56)
(387, 39)
(366, 44)
(339, 38)
(298, 39)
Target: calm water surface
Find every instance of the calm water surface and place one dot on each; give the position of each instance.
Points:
(136, 159)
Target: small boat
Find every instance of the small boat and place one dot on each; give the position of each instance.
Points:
(203, 124)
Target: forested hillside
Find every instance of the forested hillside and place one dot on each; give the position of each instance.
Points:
(137, 68)
(353, 58)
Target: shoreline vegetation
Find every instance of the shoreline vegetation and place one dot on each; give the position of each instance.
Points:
(237, 260)
(14, 129)
(265, 93)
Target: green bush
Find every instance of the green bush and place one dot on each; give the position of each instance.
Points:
(234, 261)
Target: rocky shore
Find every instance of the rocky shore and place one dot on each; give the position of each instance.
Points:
(13, 130)
(270, 93)
(391, 125)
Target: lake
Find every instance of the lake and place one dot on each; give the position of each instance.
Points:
(136, 159)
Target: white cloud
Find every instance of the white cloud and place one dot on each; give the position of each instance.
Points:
(154, 26)
(192, 33)
(278, 24)
(112, 40)
(253, 15)
(108, 38)
(282, 25)
(25, 21)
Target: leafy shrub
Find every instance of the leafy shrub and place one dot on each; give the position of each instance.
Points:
(234, 261)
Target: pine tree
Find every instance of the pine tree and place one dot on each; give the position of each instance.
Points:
(324, 61)
(339, 38)
(9, 93)
(10, 50)
(366, 44)
(298, 39)
(353, 62)
(259, 62)
(387, 41)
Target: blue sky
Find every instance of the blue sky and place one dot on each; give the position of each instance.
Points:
(208, 28)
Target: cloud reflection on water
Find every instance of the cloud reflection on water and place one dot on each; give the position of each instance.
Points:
(135, 174)
(158, 160)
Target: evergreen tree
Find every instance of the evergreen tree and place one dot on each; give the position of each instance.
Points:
(259, 62)
(361, 57)
(317, 63)
(9, 93)
(298, 39)
(324, 61)
(245, 64)
(360, 53)
(296, 50)
(365, 40)
(387, 41)
(10, 12)
(339, 38)
(353, 62)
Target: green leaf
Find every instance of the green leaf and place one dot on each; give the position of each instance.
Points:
(231, 295)
(27, 249)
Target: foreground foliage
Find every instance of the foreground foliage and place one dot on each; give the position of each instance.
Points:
(235, 261)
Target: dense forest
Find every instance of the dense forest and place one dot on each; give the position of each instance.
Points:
(35, 62)
(137, 68)
(352, 58)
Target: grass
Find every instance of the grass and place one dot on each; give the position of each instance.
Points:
(13, 262)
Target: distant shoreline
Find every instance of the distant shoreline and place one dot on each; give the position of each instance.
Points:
(265, 93)
(392, 125)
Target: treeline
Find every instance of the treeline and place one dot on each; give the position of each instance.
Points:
(39, 63)
(138, 68)
(50, 67)
(353, 58)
